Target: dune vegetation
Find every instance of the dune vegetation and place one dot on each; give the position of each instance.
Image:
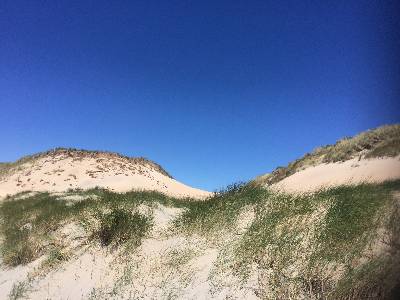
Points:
(246, 241)
(337, 243)
(383, 141)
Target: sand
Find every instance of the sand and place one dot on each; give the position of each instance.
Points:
(164, 266)
(167, 264)
(348, 172)
(59, 173)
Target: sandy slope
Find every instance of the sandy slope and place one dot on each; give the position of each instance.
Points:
(165, 266)
(351, 171)
(62, 171)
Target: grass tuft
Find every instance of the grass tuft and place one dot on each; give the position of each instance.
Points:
(18, 291)
(219, 212)
(121, 225)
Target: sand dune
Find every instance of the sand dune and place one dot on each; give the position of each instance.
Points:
(192, 259)
(68, 169)
(348, 172)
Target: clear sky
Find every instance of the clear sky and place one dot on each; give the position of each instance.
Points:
(214, 91)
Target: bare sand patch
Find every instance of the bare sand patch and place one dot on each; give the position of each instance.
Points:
(349, 172)
(59, 173)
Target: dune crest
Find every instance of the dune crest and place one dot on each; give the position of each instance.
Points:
(244, 242)
(372, 156)
(342, 173)
(63, 169)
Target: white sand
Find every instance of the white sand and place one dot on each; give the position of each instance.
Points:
(348, 172)
(60, 173)
(164, 266)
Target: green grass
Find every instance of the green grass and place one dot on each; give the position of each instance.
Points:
(179, 258)
(277, 227)
(120, 225)
(351, 221)
(373, 280)
(331, 227)
(313, 232)
(221, 211)
(354, 216)
(28, 224)
(353, 211)
(55, 257)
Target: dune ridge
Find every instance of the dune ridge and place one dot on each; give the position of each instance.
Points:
(353, 171)
(62, 169)
(324, 227)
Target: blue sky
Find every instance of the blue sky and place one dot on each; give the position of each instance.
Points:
(214, 91)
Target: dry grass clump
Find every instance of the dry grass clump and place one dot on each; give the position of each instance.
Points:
(18, 291)
(384, 138)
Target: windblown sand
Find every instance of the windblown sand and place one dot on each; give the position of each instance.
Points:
(165, 265)
(348, 172)
(60, 173)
